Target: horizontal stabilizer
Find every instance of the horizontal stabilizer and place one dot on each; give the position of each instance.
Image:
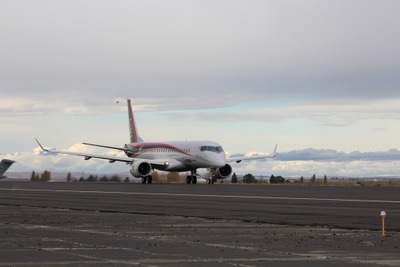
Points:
(4, 165)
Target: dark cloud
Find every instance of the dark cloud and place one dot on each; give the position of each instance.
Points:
(230, 50)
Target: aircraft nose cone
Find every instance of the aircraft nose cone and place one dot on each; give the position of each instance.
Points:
(218, 161)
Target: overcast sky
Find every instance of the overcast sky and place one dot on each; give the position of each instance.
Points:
(319, 74)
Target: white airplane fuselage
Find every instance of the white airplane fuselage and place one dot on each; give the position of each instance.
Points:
(180, 156)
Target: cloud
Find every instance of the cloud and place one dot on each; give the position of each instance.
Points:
(10, 128)
(335, 156)
(336, 112)
(298, 168)
(231, 51)
(330, 162)
(329, 155)
(357, 168)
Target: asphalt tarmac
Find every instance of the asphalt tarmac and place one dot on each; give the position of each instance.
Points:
(96, 224)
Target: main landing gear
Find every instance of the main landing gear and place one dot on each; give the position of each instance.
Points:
(211, 180)
(192, 178)
(147, 179)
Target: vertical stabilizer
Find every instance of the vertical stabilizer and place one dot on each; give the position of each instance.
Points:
(4, 165)
(132, 126)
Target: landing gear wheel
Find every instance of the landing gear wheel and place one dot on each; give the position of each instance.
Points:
(211, 180)
(144, 180)
(149, 179)
(192, 178)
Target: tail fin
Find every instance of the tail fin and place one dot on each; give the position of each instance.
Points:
(4, 165)
(132, 126)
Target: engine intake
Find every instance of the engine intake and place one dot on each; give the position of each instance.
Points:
(223, 173)
(141, 169)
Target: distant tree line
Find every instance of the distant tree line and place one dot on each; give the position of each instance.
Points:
(313, 180)
(276, 179)
(171, 177)
(44, 177)
(250, 179)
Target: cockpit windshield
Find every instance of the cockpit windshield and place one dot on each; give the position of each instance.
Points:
(217, 149)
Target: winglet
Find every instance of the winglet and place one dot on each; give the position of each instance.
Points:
(41, 145)
(274, 153)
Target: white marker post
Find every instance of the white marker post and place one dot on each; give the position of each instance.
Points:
(383, 215)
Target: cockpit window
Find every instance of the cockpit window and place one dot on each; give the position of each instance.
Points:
(217, 149)
(212, 148)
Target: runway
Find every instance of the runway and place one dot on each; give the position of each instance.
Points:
(196, 225)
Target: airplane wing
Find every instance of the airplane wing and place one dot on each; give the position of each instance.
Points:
(240, 159)
(111, 159)
(103, 146)
(87, 156)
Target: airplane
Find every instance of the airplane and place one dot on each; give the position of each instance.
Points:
(4, 165)
(171, 156)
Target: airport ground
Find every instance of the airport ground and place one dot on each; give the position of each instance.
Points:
(98, 224)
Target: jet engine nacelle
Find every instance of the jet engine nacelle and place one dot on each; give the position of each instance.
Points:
(141, 169)
(223, 173)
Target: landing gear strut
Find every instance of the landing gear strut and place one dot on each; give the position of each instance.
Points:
(192, 179)
(147, 179)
